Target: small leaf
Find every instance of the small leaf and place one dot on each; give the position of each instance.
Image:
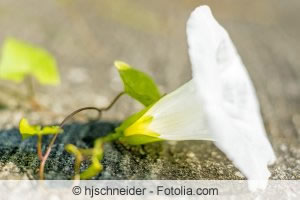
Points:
(28, 130)
(20, 59)
(137, 84)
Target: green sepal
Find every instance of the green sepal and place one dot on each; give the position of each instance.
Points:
(139, 139)
(131, 119)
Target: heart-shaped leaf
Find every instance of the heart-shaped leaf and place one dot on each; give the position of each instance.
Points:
(20, 59)
(137, 84)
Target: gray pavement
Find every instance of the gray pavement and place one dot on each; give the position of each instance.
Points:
(87, 36)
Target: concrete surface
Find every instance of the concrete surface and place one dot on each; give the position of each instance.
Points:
(87, 36)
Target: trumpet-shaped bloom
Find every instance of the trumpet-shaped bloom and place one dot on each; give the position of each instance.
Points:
(218, 104)
(174, 117)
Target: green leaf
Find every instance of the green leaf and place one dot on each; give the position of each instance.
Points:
(137, 84)
(20, 59)
(28, 130)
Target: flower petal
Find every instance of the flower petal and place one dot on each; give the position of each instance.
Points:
(178, 115)
(228, 96)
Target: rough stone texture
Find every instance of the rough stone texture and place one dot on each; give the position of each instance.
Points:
(173, 160)
(87, 36)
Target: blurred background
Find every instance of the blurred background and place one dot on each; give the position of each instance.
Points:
(86, 37)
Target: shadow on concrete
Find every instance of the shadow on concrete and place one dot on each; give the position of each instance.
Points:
(193, 160)
(22, 154)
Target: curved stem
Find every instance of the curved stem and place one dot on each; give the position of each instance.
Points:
(100, 110)
(78, 160)
(30, 87)
(46, 155)
(78, 111)
(39, 147)
(113, 101)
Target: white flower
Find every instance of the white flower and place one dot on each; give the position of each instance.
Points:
(174, 117)
(218, 104)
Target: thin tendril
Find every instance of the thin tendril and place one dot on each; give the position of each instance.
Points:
(78, 111)
(45, 157)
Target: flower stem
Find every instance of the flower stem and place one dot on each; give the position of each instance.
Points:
(78, 160)
(30, 88)
(45, 157)
(39, 147)
(72, 149)
(113, 101)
